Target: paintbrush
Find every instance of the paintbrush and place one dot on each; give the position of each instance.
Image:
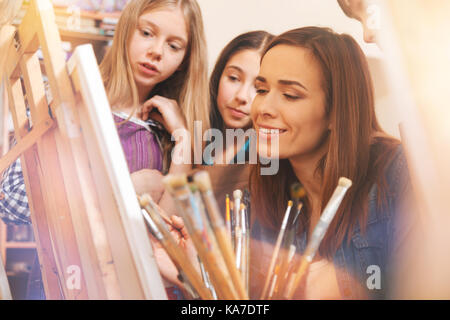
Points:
(235, 221)
(245, 245)
(276, 250)
(185, 284)
(206, 279)
(227, 215)
(159, 230)
(203, 181)
(319, 232)
(204, 243)
(298, 194)
(207, 234)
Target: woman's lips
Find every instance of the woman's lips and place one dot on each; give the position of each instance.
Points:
(267, 133)
(237, 113)
(148, 69)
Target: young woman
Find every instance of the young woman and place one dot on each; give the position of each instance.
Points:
(315, 95)
(232, 88)
(156, 63)
(155, 72)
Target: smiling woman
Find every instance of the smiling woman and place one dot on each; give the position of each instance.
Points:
(291, 103)
(314, 93)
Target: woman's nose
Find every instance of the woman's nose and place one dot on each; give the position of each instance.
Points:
(155, 50)
(243, 95)
(265, 106)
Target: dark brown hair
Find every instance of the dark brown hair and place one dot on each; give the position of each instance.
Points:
(358, 148)
(256, 40)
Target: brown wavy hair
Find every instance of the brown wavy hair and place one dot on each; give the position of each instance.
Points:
(358, 147)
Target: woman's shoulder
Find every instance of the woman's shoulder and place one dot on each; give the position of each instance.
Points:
(397, 172)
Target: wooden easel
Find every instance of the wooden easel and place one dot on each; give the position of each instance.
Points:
(91, 238)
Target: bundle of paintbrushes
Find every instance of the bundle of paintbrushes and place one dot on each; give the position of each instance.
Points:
(285, 272)
(220, 275)
(279, 264)
(223, 246)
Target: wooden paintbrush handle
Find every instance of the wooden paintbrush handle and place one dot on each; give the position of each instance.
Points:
(295, 279)
(230, 260)
(182, 260)
(218, 274)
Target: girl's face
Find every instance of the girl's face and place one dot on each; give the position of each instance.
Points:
(157, 47)
(290, 103)
(237, 88)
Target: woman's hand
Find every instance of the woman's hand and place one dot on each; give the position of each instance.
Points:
(166, 267)
(148, 181)
(170, 114)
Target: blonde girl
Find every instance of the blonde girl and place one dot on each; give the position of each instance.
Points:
(156, 71)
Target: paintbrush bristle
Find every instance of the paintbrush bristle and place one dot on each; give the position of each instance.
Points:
(290, 203)
(203, 181)
(193, 187)
(175, 181)
(297, 191)
(344, 182)
(237, 194)
(144, 200)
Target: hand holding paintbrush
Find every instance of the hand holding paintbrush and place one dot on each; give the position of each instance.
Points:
(204, 240)
(183, 264)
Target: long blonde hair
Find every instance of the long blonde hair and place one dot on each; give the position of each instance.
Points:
(188, 86)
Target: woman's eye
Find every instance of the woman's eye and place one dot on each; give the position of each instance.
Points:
(261, 91)
(174, 47)
(233, 78)
(146, 33)
(291, 97)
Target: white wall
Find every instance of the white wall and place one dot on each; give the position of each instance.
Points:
(225, 19)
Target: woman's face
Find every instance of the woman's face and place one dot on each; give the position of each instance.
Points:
(157, 47)
(290, 103)
(237, 88)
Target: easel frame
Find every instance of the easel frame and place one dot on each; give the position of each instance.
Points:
(91, 238)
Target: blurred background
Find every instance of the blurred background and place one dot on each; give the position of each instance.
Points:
(410, 73)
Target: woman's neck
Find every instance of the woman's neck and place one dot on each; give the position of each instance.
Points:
(305, 171)
(144, 93)
(128, 107)
(304, 168)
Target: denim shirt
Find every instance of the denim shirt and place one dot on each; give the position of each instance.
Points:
(366, 255)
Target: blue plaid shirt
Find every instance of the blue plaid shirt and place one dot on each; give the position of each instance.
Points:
(13, 197)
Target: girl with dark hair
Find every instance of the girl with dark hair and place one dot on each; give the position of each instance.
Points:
(232, 88)
(315, 96)
(231, 91)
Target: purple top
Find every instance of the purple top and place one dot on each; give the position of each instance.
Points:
(140, 145)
